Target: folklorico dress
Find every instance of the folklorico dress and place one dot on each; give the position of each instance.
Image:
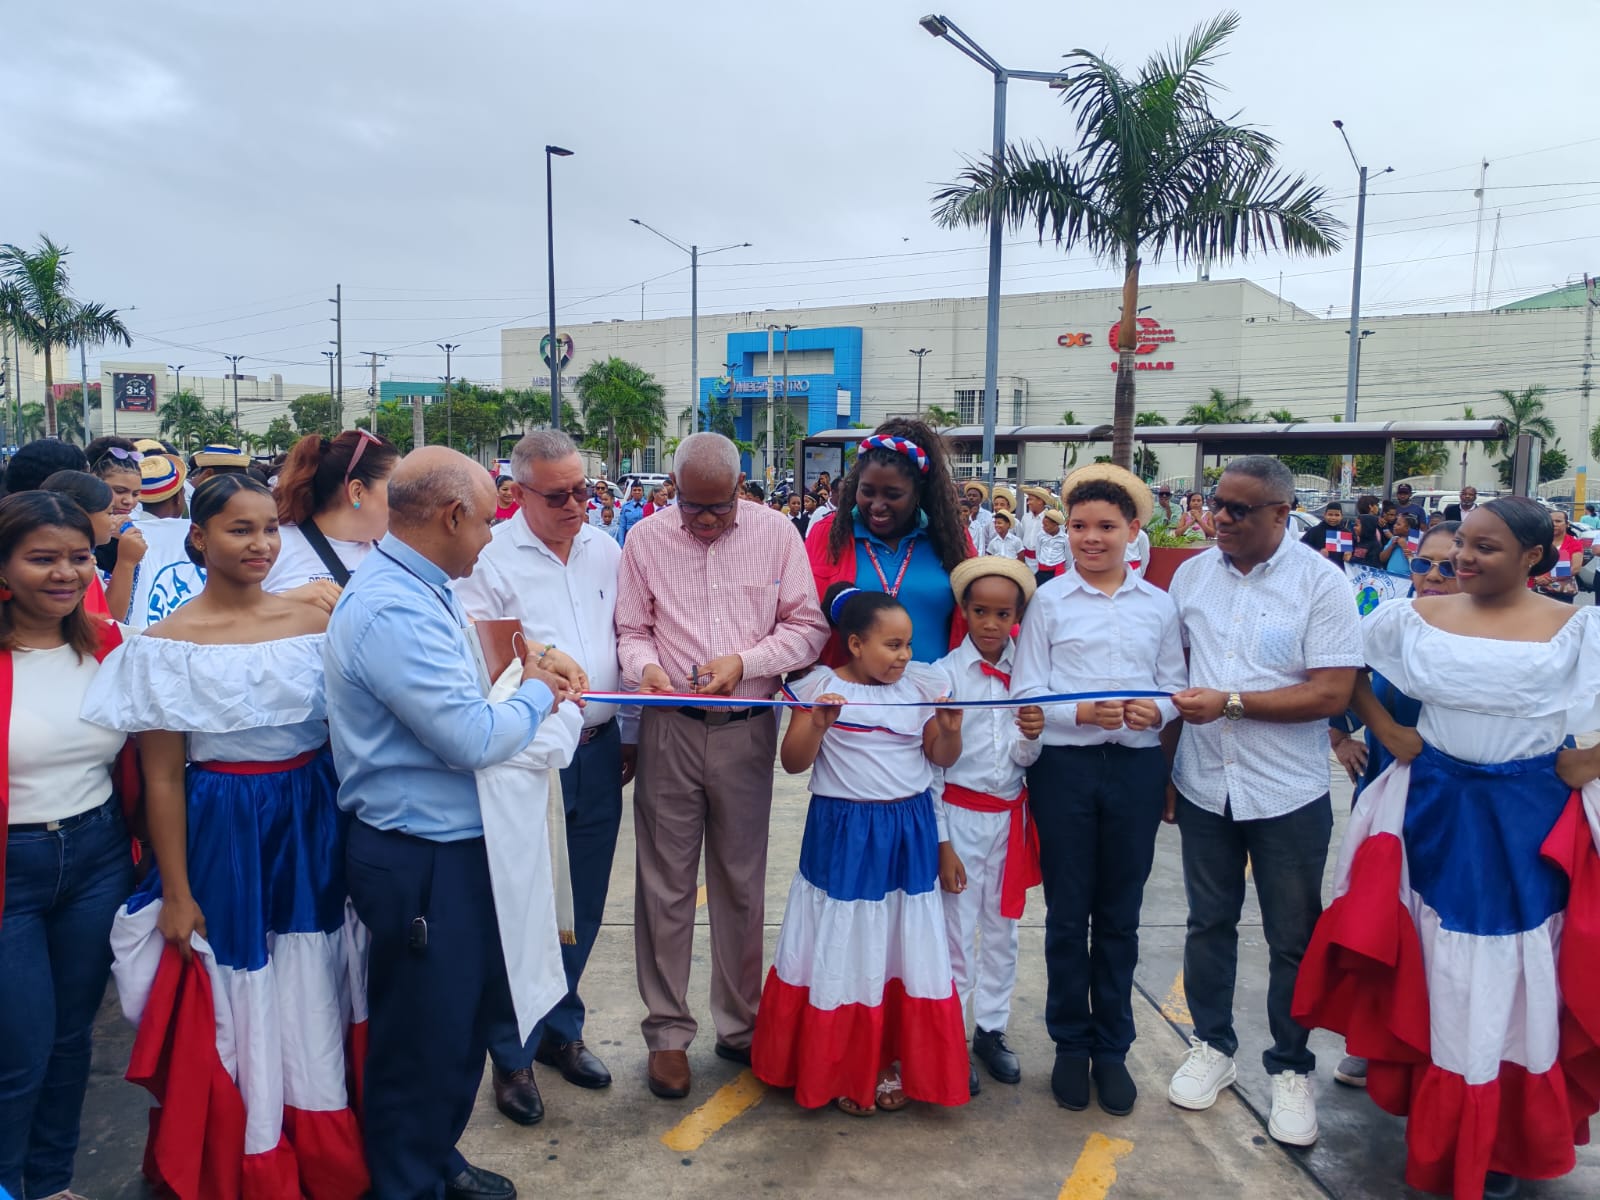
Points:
(284, 954)
(861, 978)
(1461, 954)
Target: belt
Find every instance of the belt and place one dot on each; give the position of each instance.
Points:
(64, 823)
(595, 731)
(259, 768)
(725, 716)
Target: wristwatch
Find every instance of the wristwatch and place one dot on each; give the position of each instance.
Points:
(1234, 708)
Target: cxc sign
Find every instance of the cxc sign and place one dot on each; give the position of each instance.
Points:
(1069, 340)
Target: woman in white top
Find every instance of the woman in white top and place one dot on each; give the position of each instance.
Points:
(63, 842)
(249, 847)
(1461, 956)
(333, 506)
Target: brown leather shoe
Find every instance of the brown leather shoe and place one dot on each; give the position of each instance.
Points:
(516, 1094)
(669, 1074)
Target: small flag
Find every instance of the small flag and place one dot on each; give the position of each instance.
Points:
(1413, 542)
(1339, 541)
(1562, 569)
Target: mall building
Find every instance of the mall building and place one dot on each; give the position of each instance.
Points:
(855, 364)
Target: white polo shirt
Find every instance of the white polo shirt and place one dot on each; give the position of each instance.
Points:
(1256, 633)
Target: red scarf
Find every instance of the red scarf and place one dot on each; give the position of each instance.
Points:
(1021, 871)
(124, 772)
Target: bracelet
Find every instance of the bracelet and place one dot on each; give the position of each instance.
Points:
(538, 661)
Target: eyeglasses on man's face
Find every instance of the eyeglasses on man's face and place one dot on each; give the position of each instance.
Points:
(1237, 511)
(716, 510)
(578, 495)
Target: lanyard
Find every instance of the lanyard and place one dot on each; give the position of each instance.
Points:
(454, 619)
(898, 579)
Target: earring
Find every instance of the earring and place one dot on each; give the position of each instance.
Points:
(5, 591)
(355, 504)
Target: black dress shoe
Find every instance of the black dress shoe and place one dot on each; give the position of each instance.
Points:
(1499, 1186)
(973, 1086)
(516, 1094)
(733, 1053)
(1069, 1081)
(576, 1062)
(1114, 1088)
(991, 1050)
(474, 1183)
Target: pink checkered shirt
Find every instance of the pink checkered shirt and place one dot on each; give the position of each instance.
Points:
(681, 602)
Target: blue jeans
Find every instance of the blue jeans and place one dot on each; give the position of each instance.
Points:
(591, 793)
(62, 889)
(1286, 856)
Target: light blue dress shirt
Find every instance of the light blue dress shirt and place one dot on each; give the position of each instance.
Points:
(406, 710)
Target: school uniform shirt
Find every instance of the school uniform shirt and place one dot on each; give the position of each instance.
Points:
(873, 751)
(1005, 546)
(1257, 633)
(1029, 527)
(298, 563)
(994, 754)
(1137, 555)
(1052, 550)
(981, 529)
(1075, 638)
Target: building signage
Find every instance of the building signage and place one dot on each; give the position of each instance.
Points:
(1151, 336)
(133, 392)
(758, 387)
(1069, 340)
(564, 341)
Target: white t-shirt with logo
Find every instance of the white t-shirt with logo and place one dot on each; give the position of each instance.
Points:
(165, 579)
(299, 564)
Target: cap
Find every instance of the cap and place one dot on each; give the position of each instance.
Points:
(219, 455)
(160, 478)
(1138, 490)
(971, 569)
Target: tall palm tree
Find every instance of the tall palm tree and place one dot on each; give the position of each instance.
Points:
(1524, 413)
(1069, 450)
(1219, 410)
(1468, 415)
(30, 422)
(623, 403)
(940, 418)
(184, 417)
(38, 304)
(1154, 171)
(1145, 460)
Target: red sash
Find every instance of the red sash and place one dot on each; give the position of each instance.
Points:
(124, 772)
(259, 768)
(1022, 843)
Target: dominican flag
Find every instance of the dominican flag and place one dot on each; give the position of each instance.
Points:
(1413, 541)
(1562, 569)
(1339, 541)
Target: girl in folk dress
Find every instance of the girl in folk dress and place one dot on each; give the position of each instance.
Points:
(860, 1006)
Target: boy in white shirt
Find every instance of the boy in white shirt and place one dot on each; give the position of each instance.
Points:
(1052, 557)
(1099, 787)
(1034, 501)
(988, 854)
(1004, 543)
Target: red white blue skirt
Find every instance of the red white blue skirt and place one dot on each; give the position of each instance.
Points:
(862, 975)
(1461, 958)
(286, 959)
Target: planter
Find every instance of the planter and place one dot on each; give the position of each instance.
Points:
(1165, 561)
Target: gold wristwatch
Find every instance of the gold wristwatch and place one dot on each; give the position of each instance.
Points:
(1234, 708)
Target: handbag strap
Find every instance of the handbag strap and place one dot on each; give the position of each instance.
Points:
(319, 543)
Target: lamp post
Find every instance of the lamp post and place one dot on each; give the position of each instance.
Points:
(693, 251)
(177, 375)
(550, 258)
(921, 354)
(233, 360)
(449, 408)
(1353, 364)
(943, 27)
(331, 356)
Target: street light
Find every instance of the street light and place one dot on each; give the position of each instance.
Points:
(177, 374)
(550, 257)
(449, 408)
(1353, 363)
(920, 355)
(693, 251)
(943, 27)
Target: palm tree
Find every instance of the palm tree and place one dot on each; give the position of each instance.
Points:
(1145, 461)
(1524, 413)
(1468, 415)
(37, 303)
(940, 418)
(1069, 450)
(1219, 410)
(1282, 416)
(184, 417)
(30, 422)
(624, 401)
(1154, 171)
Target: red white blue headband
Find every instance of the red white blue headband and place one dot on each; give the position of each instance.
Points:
(897, 445)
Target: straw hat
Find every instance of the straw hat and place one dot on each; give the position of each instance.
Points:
(975, 485)
(972, 569)
(221, 456)
(1038, 493)
(161, 478)
(148, 446)
(1056, 515)
(1138, 490)
(1003, 493)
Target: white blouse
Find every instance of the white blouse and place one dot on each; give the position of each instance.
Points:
(297, 563)
(1484, 700)
(238, 703)
(873, 752)
(60, 764)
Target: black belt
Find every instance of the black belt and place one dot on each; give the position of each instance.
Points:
(595, 731)
(710, 716)
(64, 823)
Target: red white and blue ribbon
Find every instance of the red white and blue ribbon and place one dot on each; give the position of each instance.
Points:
(701, 700)
(896, 445)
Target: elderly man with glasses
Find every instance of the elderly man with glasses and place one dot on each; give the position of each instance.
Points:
(547, 567)
(715, 597)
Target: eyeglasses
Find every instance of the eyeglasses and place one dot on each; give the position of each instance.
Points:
(1421, 566)
(366, 440)
(578, 495)
(716, 510)
(1237, 511)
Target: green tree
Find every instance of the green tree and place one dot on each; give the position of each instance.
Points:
(1069, 450)
(1146, 463)
(280, 435)
(1155, 172)
(185, 420)
(313, 413)
(1523, 412)
(623, 405)
(1553, 464)
(1219, 410)
(69, 414)
(30, 422)
(941, 418)
(36, 301)
(219, 428)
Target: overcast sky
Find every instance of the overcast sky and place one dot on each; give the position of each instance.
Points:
(222, 166)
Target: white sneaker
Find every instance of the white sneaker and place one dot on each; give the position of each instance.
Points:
(1294, 1110)
(1204, 1073)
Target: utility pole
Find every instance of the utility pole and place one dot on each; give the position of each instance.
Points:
(1477, 242)
(1353, 364)
(1580, 493)
(786, 330)
(694, 338)
(338, 348)
(330, 355)
(83, 372)
(233, 359)
(372, 391)
(770, 329)
(449, 409)
(920, 355)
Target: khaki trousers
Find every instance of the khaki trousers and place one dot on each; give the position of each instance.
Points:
(700, 782)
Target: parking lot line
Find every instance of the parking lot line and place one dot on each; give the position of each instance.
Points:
(700, 897)
(1175, 1007)
(726, 1103)
(1096, 1168)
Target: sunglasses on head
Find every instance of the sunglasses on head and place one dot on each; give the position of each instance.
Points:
(130, 457)
(1446, 568)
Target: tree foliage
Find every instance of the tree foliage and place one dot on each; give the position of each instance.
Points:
(185, 420)
(623, 407)
(313, 413)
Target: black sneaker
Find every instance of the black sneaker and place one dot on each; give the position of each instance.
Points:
(1114, 1088)
(991, 1050)
(973, 1086)
(1499, 1187)
(1069, 1081)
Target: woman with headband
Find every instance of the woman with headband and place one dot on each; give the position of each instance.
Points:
(898, 530)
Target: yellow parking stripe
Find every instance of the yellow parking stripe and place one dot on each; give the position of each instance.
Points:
(700, 897)
(1096, 1168)
(1176, 1006)
(725, 1104)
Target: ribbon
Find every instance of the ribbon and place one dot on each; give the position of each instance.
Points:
(700, 700)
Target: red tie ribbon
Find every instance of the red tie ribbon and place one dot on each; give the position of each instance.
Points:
(1022, 843)
(1003, 676)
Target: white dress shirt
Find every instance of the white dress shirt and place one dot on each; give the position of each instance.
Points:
(570, 605)
(1052, 549)
(1259, 632)
(994, 754)
(1075, 638)
(1007, 546)
(1137, 555)
(981, 529)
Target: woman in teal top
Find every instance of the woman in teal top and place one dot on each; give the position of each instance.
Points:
(904, 534)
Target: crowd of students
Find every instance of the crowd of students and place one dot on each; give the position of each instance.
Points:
(178, 640)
